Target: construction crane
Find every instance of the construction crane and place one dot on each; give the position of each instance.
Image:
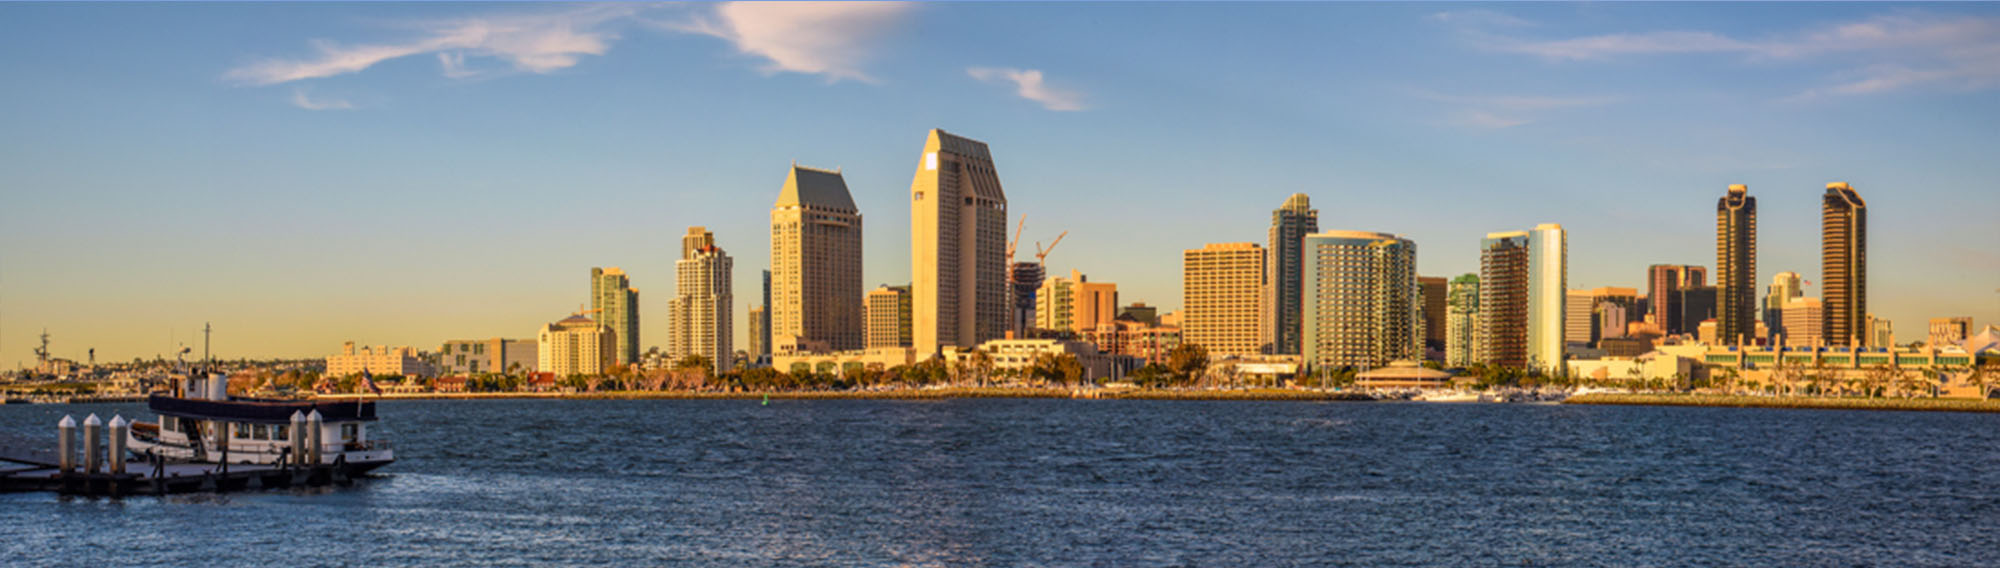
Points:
(1041, 254)
(1016, 243)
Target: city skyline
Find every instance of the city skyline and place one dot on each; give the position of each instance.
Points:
(388, 202)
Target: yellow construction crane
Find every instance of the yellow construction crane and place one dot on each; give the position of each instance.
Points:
(1011, 245)
(1043, 253)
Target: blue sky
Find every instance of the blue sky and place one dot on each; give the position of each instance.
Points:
(302, 175)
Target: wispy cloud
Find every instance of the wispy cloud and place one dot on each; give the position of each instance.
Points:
(1507, 111)
(1884, 53)
(833, 39)
(301, 100)
(1482, 18)
(1029, 85)
(533, 43)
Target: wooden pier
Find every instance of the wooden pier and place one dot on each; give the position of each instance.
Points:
(23, 473)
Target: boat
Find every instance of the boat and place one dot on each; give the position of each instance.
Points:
(200, 423)
(1449, 396)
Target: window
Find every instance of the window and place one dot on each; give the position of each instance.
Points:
(349, 431)
(239, 431)
(281, 432)
(260, 432)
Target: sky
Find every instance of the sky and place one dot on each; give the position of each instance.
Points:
(300, 175)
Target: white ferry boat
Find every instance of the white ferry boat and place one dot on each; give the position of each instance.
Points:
(201, 423)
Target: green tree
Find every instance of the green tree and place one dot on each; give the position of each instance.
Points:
(1188, 361)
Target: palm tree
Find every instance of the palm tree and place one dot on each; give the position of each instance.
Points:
(1979, 376)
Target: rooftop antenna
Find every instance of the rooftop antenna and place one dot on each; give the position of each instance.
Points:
(206, 362)
(42, 353)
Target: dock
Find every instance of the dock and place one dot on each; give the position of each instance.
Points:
(25, 474)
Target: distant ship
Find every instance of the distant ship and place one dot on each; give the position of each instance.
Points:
(201, 423)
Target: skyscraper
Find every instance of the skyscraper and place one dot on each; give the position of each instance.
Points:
(1548, 281)
(762, 327)
(1435, 290)
(1523, 296)
(1844, 265)
(1284, 285)
(701, 314)
(616, 305)
(1785, 287)
(889, 317)
(815, 264)
(1736, 267)
(1461, 344)
(1663, 282)
(758, 349)
(1361, 300)
(576, 345)
(958, 245)
(1579, 316)
(1222, 298)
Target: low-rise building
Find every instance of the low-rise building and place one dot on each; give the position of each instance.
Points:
(377, 360)
(1019, 355)
(474, 356)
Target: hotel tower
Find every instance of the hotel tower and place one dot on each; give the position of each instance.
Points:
(1284, 283)
(1844, 266)
(958, 246)
(815, 264)
(699, 315)
(1736, 268)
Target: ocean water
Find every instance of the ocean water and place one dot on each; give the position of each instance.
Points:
(1083, 482)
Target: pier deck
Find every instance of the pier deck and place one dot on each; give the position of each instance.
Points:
(146, 478)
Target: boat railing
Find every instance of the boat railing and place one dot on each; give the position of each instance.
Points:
(370, 445)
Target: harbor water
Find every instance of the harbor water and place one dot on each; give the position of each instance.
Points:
(1076, 482)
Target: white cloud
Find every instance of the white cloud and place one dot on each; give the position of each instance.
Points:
(534, 43)
(1486, 120)
(1879, 54)
(832, 39)
(1507, 111)
(301, 100)
(1029, 85)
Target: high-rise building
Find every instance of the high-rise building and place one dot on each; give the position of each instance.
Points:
(702, 320)
(1222, 295)
(1142, 313)
(1696, 304)
(758, 349)
(1434, 310)
(1663, 283)
(1785, 287)
(1284, 284)
(762, 326)
(1803, 318)
(1522, 297)
(958, 245)
(1579, 317)
(815, 264)
(1075, 303)
(617, 306)
(1736, 267)
(1844, 265)
(1949, 331)
(1024, 281)
(576, 345)
(1362, 301)
(1461, 345)
(889, 317)
(1880, 332)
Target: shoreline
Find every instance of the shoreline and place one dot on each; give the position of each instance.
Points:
(896, 394)
(1790, 402)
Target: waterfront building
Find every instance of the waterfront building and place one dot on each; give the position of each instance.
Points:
(465, 357)
(1128, 336)
(701, 320)
(842, 363)
(1696, 304)
(1222, 298)
(1663, 284)
(1362, 301)
(378, 360)
(1803, 318)
(1736, 267)
(815, 264)
(763, 325)
(1522, 297)
(1579, 317)
(1844, 265)
(889, 317)
(1016, 356)
(1880, 332)
(1949, 331)
(576, 345)
(1075, 303)
(958, 245)
(1461, 346)
(1785, 288)
(1141, 312)
(616, 305)
(759, 351)
(1435, 312)
(1284, 283)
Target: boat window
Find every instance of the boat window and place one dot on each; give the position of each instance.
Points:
(240, 431)
(167, 424)
(260, 432)
(348, 431)
(281, 432)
